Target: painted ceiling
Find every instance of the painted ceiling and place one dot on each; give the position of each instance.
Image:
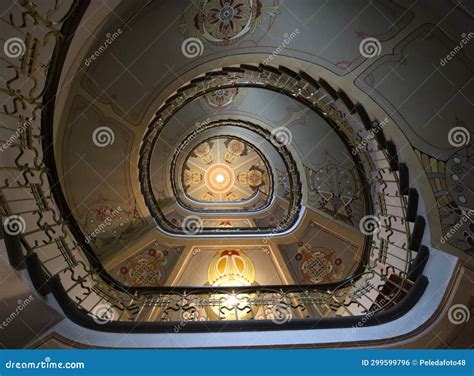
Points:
(227, 168)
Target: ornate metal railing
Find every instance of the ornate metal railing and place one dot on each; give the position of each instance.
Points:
(295, 196)
(41, 234)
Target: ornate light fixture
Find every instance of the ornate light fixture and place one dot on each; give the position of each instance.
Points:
(231, 268)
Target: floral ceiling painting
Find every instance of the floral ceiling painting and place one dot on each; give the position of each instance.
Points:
(225, 169)
(150, 267)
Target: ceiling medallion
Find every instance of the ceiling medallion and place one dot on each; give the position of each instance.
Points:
(224, 169)
(219, 178)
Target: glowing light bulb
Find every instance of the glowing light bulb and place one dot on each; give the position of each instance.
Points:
(231, 301)
(219, 178)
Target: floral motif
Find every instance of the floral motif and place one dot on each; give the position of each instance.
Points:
(191, 177)
(203, 152)
(145, 272)
(236, 147)
(213, 167)
(207, 197)
(232, 197)
(145, 269)
(107, 222)
(254, 177)
(104, 212)
(226, 21)
(318, 266)
(222, 97)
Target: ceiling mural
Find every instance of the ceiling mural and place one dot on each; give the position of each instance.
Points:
(239, 161)
(224, 22)
(451, 183)
(224, 169)
(99, 191)
(321, 256)
(226, 28)
(222, 98)
(230, 266)
(108, 222)
(150, 267)
(318, 265)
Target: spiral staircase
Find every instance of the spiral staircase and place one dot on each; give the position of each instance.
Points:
(184, 174)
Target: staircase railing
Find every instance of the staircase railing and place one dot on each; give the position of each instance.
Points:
(42, 236)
